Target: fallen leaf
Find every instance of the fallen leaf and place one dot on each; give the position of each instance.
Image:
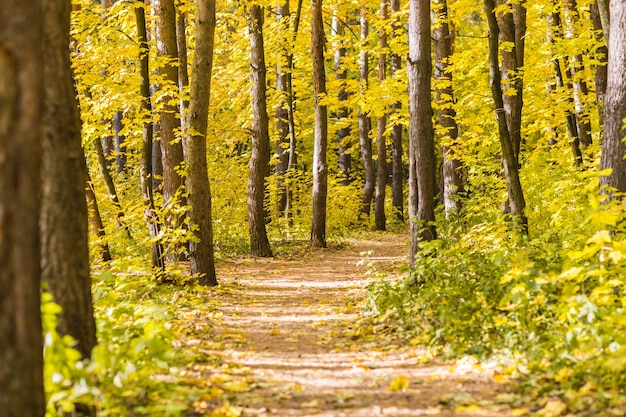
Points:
(399, 383)
(553, 408)
(274, 332)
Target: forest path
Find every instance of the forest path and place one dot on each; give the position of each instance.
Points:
(287, 328)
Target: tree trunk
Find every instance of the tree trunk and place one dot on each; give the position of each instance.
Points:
(171, 147)
(343, 133)
(452, 182)
(510, 163)
(120, 143)
(605, 19)
(320, 167)
(512, 27)
(260, 159)
(381, 143)
(613, 148)
(282, 111)
(365, 140)
(421, 140)
(201, 251)
(64, 216)
(555, 32)
(21, 105)
(146, 171)
(95, 220)
(601, 59)
(574, 72)
(183, 72)
(397, 188)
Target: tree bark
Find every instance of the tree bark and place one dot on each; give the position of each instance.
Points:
(201, 251)
(343, 133)
(21, 105)
(183, 72)
(171, 146)
(381, 143)
(64, 216)
(574, 72)
(613, 148)
(452, 181)
(421, 140)
(260, 159)
(397, 188)
(601, 58)
(282, 111)
(510, 163)
(320, 166)
(95, 220)
(365, 140)
(146, 168)
(511, 29)
(555, 32)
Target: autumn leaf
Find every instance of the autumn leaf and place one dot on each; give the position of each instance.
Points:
(400, 383)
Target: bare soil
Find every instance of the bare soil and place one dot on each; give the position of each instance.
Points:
(289, 327)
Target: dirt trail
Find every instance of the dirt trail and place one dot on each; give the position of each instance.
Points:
(287, 325)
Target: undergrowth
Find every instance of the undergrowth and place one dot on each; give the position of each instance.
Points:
(555, 301)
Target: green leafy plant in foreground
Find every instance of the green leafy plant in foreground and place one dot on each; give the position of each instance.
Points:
(555, 302)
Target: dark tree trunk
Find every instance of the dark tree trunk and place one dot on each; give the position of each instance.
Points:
(95, 220)
(260, 159)
(452, 181)
(365, 141)
(64, 216)
(510, 163)
(110, 185)
(146, 171)
(555, 32)
(282, 111)
(397, 188)
(613, 148)
(381, 143)
(422, 149)
(601, 58)
(343, 133)
(201, 252)
(574, 72)
(171, 148)
(605, 19)
(512, 27)
(183, 72)
(21, 105)
(320, 166)
(120, 143)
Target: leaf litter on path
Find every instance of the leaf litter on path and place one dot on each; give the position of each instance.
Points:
(285, 336)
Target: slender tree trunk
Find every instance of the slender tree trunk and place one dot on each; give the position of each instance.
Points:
(452, 182)
(554, 33)
(171, 146)
(201, 251)
(64, 216)
(146, 171)
(120, 143)
(260, 159)
(320, 166)
(613, 148)
(95, 220)
(397, 187)
(605, 19)
(282, 111)
(183, 72)
(381, 148)
(574, 73)
(601, 59)
(365, 140)
(343, 133)
(110, 185)
(21, 105)
(511, 29)
(422, 149)
(511, 174)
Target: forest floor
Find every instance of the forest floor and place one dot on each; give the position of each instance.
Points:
(290, 341)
